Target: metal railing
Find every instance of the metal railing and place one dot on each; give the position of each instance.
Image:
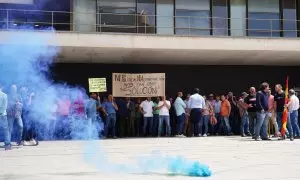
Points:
(145, 24)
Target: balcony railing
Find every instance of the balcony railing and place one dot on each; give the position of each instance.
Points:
(146, 24)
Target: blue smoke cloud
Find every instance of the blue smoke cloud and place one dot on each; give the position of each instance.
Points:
(25, 60)
(156, 163)
(27, 65)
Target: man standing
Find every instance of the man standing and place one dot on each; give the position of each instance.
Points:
(196, 104)
(187, 116)
(147, 108)
(14, 109)
(271, 113)
(233, 117)
(279, 98)
(164, 115)
(91, 107)
(217, 110)
(225, 112)
(262, 109)
(180, 113)
(244, 115)
(250, 100)
(155, 117)
(131, 118)
(293, 107)
(3, 120)
(110, 108)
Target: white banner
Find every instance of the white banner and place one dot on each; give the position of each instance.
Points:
(138, 85)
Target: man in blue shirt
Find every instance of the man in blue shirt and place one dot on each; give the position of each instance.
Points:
(92, 106)
(3, 119)
(262, 108)
(110, 109)
(180, 113)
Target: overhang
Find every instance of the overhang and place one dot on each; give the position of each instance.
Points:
(155, 49)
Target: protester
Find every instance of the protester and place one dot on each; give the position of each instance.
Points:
(110, 108)
(3, 119)
(293, 107)
(244, 128)
(262, 108)
(164, 116)
(147, 107)
(225, 112)
(180, 113)
(196, 105)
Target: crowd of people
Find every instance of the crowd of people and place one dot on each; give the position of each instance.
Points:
(195, 116)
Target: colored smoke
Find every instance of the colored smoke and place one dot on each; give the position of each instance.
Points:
(156, 163)
(25, 60)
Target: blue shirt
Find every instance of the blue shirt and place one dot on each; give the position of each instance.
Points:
(262, 102)
(3, 104)
(179, 106)
(109, 108)
(91, 108)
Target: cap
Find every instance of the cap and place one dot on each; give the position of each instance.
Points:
(244, 94)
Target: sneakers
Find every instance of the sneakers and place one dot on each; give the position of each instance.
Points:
(204, 135)
(8, 147)
(20, 143)
(243, 135)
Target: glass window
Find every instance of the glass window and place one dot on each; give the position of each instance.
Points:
(117, 15)
(238, 17)
(263, 18)
(220, 17)
(146, 16)
(289, 18)
(192, 18)
(164, 19)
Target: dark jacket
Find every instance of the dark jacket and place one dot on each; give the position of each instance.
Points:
(262, 101)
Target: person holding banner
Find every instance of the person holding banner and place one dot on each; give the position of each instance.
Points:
(147, 108)
(164, 115)
(110, 108)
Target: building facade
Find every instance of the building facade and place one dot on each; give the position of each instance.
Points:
(212, 41)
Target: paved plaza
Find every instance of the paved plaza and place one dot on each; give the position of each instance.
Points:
(230, 158)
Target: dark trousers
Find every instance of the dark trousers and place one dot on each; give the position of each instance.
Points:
(148, 121)
(155, 124)
(196, 121)
(180, 124)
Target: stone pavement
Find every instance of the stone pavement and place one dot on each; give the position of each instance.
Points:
(230, 158)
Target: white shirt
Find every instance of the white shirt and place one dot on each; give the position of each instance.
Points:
(196, 101)
(164, 111)
(147, 107)
(293, 104)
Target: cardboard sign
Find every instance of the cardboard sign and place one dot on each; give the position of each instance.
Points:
(138, 85)
(97, 85)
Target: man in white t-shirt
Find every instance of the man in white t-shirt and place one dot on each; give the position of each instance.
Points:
(147, 109)
(164, 115)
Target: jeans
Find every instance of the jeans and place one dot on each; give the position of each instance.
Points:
(19, 121)
(148, 120)
(215, 127)
(262, 125)
(180, 124)
(155, 124)
(196, 121)
(293, 116)
(252, 122)
(5, 128)
(225, 121)
(110, 124)
(205, 121)
(165, 119)
(244, 124)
